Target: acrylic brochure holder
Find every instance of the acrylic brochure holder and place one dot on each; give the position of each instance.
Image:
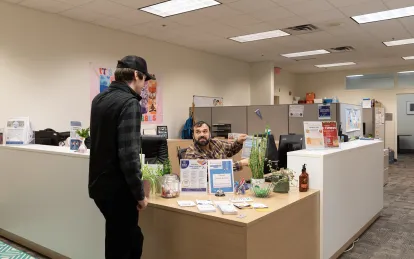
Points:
(321, 135)
(18, 131)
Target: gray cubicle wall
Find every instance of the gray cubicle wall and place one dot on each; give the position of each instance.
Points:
(310, 113)
(274, 116)
(202, 114)
(234, 115)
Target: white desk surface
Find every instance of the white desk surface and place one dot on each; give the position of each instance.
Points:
(343, 147)
(55, 150)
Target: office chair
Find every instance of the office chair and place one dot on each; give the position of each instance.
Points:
(155, 148)
(181, 153)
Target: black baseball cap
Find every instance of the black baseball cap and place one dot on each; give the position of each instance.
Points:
(136, 63)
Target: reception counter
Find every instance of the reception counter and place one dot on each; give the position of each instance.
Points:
(350, 179)
(44, 205)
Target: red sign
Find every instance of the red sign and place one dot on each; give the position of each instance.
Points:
(330, 134)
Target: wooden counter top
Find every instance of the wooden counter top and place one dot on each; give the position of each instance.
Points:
(275, 202)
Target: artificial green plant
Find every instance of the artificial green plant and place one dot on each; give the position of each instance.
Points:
(83, 133)
(151, 175)
(167, 168)
(257, 160)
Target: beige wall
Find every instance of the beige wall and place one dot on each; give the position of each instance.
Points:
(261, 81)
(329, 84)
(44, 69)
(284, 83)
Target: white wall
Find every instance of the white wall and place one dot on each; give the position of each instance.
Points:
(284, 83)
(261, 81)
(405, 122)
(44, 68)
(329, 84)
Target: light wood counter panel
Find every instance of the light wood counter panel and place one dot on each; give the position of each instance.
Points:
(290, 223)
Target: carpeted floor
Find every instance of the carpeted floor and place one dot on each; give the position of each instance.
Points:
(392, 235)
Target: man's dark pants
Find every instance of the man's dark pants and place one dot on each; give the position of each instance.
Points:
(123, 238)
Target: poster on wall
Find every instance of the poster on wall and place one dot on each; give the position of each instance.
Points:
(353, 119)
(324, 111)
(296, 110)
(206, 101)
(151, 103)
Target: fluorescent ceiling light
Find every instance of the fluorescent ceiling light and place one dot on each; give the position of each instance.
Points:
(335, 64)
(408, 58)
(405, 72)
(384, 15)
(260, 36)
(399, 42)
(174, 7)
(355, 76)
(306, 53)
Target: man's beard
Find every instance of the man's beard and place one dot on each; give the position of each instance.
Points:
(204, 143)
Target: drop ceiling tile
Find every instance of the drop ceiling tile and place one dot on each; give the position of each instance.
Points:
(408, 24)
(190, 18)
(394, 4)
(289, 2)
(255, 28)
(218, 11)
(13, 1)
(309, 7)
(106, 7)
(111, 22)
(218, 29)
(365, 8)
(249, 6)
(155, 27)
(323, 16)
(342, 3)
(272, 14)
(238, 20)
(288, 22)
(75, 2)
(320, 37)
(46, 5)
(136, 17)
(79, 13)
(386, 30)
(137, 3)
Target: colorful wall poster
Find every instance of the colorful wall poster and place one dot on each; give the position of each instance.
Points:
(330, 134)
(151, 103)
(324, 111)
(353, 119)
(314, 138)
(221, 175)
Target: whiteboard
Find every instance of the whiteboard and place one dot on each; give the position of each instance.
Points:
(205, 101)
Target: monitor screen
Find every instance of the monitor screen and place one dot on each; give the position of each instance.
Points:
(288, 143)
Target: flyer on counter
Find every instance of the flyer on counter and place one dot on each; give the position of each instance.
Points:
(193, 176)
(313, 135)
(330, 134)
(221, 175)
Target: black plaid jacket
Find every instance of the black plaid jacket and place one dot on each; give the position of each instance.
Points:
(115, 127)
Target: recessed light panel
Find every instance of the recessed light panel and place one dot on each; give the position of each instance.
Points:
(174, 7)
(399, 42)
(384, 15)
(405, 72)
(306, 53)
(355, 76)
(408, 58)
(335, 64)
(260, 36)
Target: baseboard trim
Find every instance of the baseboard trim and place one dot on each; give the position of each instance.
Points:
(31, 245)
(354, 237)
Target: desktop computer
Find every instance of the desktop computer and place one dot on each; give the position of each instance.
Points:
(288, 143)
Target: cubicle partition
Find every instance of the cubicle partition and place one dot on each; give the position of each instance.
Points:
(274, 116)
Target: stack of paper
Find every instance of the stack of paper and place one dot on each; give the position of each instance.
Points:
(227, 209)
(242, 205)
(241, 199)
(186, 203)
(206, 208)
(204, 202)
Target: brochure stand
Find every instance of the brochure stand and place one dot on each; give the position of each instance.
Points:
(321, 135)
(18, 131)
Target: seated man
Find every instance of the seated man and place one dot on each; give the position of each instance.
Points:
(206, 148)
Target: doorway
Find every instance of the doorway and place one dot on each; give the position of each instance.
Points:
(275, 100)
(405, 123)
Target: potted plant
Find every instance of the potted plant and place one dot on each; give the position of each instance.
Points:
(257, 160)
(83, 134)
(150, 178)
(166, 167)
(282, 179)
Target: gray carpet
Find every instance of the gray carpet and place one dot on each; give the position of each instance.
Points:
(392, 235)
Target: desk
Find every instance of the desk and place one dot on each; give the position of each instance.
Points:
(350, 179)
(289, 229)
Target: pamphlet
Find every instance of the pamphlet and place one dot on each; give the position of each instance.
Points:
(242, 205)
(247, 147)
(204, 202)
(227, 209)
(259, 206)
(313, 135)
(186, 203)
(206, 208)
(193, 176)
(221, 175)
(330, 134)
(241, 199)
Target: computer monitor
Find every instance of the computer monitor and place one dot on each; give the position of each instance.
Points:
(271, 153)
(155, 148)
(288, 143)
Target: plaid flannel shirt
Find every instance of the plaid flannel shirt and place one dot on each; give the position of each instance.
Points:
(219, 149)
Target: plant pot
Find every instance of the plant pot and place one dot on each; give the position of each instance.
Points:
(257, 182)
(147, 188)
(281, 187)
(82, 147)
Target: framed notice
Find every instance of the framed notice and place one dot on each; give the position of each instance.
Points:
(220, 174)
(193, 176)
(313, 135)
(330, 134)
(324, 111)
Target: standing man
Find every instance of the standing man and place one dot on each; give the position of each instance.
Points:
(114, 169)
(204, 147)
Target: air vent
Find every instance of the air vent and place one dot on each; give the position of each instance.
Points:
(301, 29)
(342, 49)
